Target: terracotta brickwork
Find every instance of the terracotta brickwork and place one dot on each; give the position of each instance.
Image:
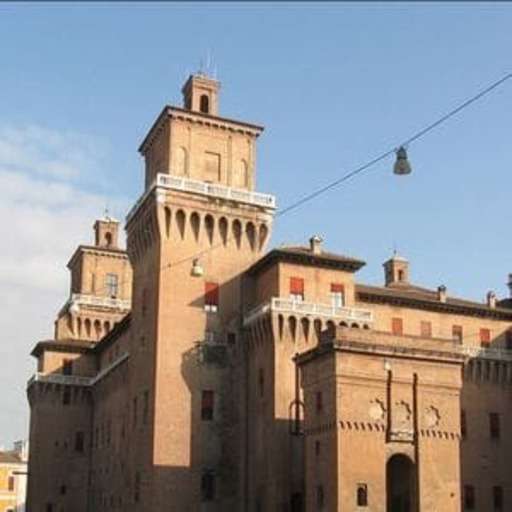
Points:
(195, 371)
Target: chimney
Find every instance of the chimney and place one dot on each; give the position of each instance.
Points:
(441, 293)
(509, 284)
(315, 244)
(491, 299)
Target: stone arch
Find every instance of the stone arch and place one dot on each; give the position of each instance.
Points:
(181, 220)
(195, 223)
(292, 326)
(317, 325)
(209, 227)
(237, 232)
(304, 322)
(263, 234)
(97, 329)
(280, 323)
(401, 486)
(168, 217)
(250, 231)
(223, 229)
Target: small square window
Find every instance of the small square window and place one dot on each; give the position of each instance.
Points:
(494, 425)
(397, 326)
(207, 399)
(457, 333)
(485, 338)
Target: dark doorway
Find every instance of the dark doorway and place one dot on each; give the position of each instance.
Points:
(401, 484)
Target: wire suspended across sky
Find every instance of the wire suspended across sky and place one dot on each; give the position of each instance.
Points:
(365, 167)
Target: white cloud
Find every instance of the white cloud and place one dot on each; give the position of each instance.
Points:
(44, 216)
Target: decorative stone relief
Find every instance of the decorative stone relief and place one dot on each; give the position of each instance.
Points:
(377, 411)
(432, 417)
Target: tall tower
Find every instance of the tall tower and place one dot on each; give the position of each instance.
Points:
(101, 286)
(199, 207)
(60, 393)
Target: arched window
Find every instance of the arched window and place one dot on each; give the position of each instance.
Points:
(204, 104)
(108, 239)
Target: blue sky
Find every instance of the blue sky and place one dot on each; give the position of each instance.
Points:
(335, 85)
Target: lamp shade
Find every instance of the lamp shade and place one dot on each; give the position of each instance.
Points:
(402, 165)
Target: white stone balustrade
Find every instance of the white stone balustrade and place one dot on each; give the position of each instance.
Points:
(309, 309)
(167, 181)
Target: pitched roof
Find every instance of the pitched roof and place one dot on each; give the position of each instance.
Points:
(10, 458)
(424, 298)
(305, 256)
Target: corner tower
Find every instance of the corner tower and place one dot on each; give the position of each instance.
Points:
(199, 205)
(101, 286)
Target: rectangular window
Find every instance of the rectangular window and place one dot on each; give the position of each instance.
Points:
(112, 285)
(208, 487)
(397, 326)
(67, 367)
(207, 399)
(469, 497)
(296, 289)
(494, 425)
(10, 483)
(463, 426)
(485, 338)
(79, 442)
(426, 329)
(66, 397)
(319, 402)
(337, 295)
(362, 495)
(457, 333)
(497, 497)
(211, 297)
(508, 340)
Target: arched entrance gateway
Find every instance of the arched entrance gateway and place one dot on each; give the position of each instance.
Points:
(401, 489)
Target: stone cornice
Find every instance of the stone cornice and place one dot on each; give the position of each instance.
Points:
(170, 112)
(434, 305)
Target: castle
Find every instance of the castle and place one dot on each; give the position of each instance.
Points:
(196, 371)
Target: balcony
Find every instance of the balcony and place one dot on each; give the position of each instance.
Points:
(496, 354)
(102, 302)
(76, 380)
(57, 378)
(169, 182)
(301, 308)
